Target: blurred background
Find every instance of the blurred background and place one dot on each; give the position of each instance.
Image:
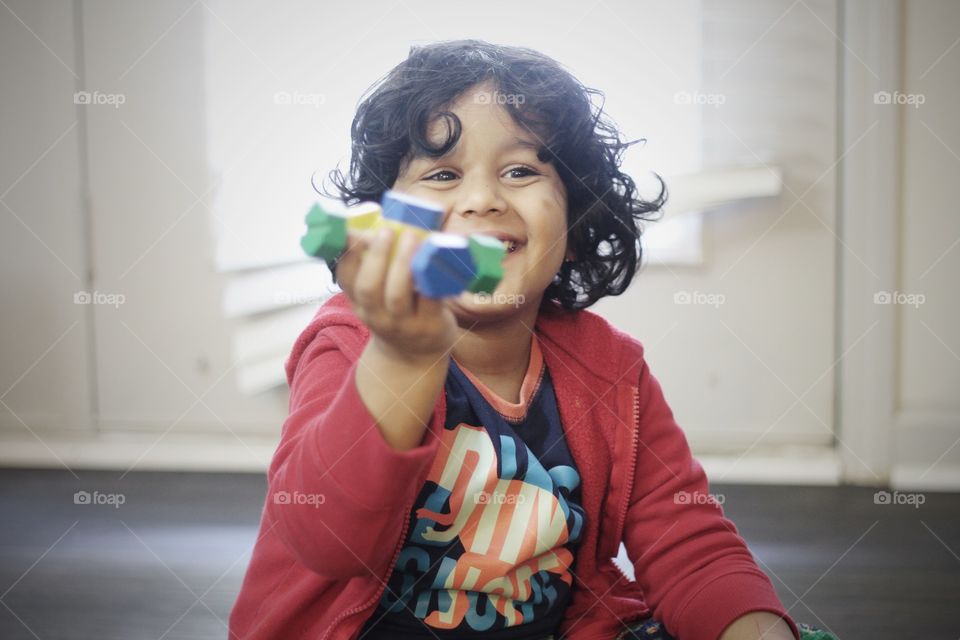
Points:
(798, 300)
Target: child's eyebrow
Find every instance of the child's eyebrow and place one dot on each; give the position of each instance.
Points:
(516, 143)
(521, 143)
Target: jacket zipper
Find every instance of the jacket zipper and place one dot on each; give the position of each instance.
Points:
(628, 489)
(386, 578)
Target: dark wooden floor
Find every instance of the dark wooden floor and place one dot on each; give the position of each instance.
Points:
(168, 562)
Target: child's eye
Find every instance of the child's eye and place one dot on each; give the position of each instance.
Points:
(522, 172)
(436, 177)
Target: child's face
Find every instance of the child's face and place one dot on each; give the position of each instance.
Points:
(491, 184)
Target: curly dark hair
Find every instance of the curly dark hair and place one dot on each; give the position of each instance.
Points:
(604, 210)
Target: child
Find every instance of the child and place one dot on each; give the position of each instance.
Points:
(467, 468)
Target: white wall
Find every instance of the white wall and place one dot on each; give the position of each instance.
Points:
(45, 341)
(754, 372)
(117, 205)
(151, 186)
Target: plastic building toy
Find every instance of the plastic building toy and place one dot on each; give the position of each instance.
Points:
(445, 264)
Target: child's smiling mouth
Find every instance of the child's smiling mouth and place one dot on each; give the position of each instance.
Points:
(512, 243)
(513, 246)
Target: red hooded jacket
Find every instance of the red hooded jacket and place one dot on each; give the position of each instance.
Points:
(336, 516)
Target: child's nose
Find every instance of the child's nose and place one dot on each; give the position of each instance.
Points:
(479, 197)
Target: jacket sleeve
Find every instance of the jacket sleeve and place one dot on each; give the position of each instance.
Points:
(697, 573)
(335, 487)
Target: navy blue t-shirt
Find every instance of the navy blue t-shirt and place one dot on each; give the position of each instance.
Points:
(494, 529)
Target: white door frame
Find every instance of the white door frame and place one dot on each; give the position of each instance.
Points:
(880, 443)
(869, 173)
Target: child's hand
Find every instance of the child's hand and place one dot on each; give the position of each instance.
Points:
(408, 325)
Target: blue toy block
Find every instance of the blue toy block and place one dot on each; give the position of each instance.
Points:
(443, 265)
(411, 210)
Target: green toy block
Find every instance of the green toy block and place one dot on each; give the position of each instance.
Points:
(326, 235)
(487, 253)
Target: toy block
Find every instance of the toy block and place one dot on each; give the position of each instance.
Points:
(326, 235)
(411, 210)
(487, 253)
(399, 227)
(443, 265)
(365, 216)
